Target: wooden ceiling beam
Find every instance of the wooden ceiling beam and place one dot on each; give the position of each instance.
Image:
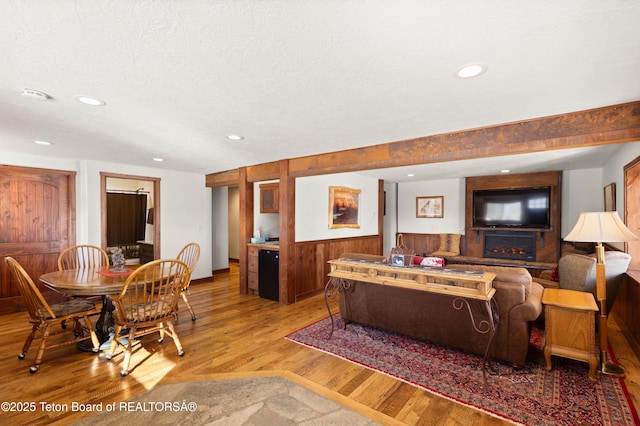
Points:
(599, 126)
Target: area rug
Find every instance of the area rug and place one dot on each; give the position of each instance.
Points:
(530, 396)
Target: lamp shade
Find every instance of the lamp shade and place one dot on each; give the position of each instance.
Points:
(600, 227)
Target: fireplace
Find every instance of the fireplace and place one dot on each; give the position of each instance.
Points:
(515, 245)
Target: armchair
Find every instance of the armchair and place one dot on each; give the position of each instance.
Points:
(578, 272)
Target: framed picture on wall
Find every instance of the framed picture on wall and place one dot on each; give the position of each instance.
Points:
(431, 207)
(344, 207)
(610, 197)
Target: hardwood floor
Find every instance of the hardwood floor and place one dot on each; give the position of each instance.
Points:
(234, 336)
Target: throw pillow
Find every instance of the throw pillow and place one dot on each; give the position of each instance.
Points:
(449, 245)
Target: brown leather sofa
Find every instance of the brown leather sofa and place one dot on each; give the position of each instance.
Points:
(431, 316)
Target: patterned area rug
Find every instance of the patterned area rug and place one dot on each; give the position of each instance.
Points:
(531, 396)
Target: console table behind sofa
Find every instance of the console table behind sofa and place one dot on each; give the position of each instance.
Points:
(430, 316)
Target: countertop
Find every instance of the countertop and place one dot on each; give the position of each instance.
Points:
(269, 245)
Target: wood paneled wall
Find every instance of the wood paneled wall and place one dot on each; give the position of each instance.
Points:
(425, 243)
(311, 257)
(626, 309)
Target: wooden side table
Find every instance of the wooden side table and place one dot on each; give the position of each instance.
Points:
(570, 327)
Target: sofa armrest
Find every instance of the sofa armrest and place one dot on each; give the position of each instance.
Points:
(531, 308)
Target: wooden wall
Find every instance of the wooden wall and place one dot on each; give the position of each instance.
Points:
(626, 309)
(425, 243)
(311, 257)
(550, 252)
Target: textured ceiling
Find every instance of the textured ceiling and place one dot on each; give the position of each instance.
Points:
(297, 77)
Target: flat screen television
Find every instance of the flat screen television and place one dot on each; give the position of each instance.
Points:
(512, 208)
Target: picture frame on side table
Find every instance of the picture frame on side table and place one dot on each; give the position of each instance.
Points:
(430, 207)
(610, 197)
(344, 207)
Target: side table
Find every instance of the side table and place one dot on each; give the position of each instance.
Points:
(570, 327)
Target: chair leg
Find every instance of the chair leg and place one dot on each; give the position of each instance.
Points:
(127, 353)
(92, 333)
(186, 302)
(27, 343)
(40, 354)
(174, 336)
(114, 343)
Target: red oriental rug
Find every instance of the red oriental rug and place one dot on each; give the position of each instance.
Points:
(530, 396)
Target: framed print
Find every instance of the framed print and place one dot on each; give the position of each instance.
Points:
(610, 197)
(344, 206)
(430, 207)
(397, 259)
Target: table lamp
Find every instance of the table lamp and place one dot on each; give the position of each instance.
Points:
(602, 227)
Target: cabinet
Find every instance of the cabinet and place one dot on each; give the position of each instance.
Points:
(252, 276)
(269, 197)
(146, 252)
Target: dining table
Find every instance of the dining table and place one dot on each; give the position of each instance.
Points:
(88, 282)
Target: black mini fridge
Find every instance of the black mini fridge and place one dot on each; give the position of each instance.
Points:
(268, 274)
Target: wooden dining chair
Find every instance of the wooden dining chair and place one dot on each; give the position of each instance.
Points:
(42, 315)
(190, 254)
(147, 304)
(82, 256)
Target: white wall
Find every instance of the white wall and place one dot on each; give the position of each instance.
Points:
(581, 192)
(233, 237)
(220, 227)
(312, 206)
(185, 203)
(452, 221)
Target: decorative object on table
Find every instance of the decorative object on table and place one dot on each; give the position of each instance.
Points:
(401, 255)
(430, 207)
(602, 227)
(432, 261)
(117, 260)
(344, 206)
(610, 197)
(530, 395)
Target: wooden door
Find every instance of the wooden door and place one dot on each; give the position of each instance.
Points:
(631, 209)
(37, 221)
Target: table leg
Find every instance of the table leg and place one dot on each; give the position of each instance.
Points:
(334, 286)
(487, 326)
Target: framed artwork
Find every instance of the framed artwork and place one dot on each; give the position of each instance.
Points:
(432, 207)
(397, 260)
(344, 211)
(610, 197)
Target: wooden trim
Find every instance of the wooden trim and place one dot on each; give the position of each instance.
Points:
(156, 207)
(599, 126)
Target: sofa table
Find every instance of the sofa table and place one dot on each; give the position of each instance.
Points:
(462, 285)
(570, 327)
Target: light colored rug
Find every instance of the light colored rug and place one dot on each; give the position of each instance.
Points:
(273, 400)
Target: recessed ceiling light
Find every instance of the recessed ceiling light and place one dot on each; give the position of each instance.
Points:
(235, 137)
(505, 171)
(410, 175)
(42, 143)
(88, 100)
(470, 70)
(158, 159)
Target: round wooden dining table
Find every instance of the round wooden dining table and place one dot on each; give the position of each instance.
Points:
(85, 281)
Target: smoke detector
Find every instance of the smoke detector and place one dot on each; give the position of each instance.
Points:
(35, 94)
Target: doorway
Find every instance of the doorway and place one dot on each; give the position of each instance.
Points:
(134, 184)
